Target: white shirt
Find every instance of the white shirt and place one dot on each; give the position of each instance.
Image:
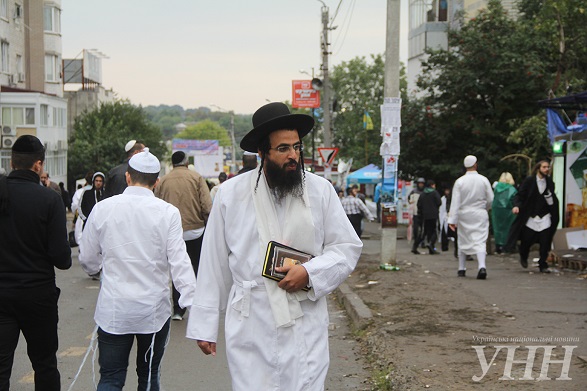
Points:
(541, 183)
(136, 240)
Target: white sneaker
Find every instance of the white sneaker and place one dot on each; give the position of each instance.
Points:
(177, 317)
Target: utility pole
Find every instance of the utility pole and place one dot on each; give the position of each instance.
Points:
(233, 167)
(324, 47)
(390, 129)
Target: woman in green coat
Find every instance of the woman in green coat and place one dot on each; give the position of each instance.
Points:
(501, 210)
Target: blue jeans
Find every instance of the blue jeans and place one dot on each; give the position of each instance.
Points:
(114, 353)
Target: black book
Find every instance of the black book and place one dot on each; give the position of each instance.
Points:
(279, 255)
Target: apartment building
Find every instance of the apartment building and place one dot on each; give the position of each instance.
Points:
(428, 24)
(31, 94)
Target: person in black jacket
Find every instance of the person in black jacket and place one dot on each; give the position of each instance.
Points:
(428, 205)
(536, 207)
(33, 241)
(116, 178)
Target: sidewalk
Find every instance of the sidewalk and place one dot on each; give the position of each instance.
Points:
(426, 320)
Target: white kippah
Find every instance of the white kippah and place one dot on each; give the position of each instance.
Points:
(129, 145)
(470, 161)
(145, 162)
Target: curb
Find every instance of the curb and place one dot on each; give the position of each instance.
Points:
(360, 315)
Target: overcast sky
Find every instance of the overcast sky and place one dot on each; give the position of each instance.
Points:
(236, 54)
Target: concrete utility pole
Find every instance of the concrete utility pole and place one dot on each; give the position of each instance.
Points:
(391, 90)
(392, 68)
(324, 46)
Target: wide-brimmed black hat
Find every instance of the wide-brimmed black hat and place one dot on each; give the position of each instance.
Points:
(271, 117)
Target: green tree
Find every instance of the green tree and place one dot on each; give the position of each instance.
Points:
(358, 86)
(557, 28)
(206, 130)
(99, 136)
(476, 92)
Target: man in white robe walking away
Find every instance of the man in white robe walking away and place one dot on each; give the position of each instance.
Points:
(471, 199)
(276, 333)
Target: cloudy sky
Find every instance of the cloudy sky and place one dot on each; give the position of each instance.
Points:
(236, 54)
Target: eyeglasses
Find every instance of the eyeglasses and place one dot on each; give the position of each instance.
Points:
(286, 148)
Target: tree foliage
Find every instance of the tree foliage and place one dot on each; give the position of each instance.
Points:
(206, 130)
(479, 96)
(167, 117)
(358, 86)
(99, 137)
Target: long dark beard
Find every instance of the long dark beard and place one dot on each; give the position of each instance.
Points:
(284, 182)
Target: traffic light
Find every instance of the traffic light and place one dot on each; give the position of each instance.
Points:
(559, 147)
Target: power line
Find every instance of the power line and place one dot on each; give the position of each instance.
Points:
(350, 16)
(335, 13)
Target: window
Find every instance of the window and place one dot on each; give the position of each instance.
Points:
(6, 116)
(52, 19)
(59, 117)
(4, 66)
(17, 11)
(45, 115)
(19, 68)
(15, 116)
(4, 9)
(52, 67)
(29, 116)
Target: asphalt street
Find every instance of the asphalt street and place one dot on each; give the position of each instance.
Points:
(184, 366)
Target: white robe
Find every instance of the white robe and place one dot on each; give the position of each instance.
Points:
(260, 355)
(76, 201)
(471, 199)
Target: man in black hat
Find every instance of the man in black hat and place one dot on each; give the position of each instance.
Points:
(33, 241)
(187, 191)
(276, 332)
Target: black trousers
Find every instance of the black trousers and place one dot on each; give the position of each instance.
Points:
(416, 232)
(355, 220)
(37, 319)
(430, 232)
(193, 247)
(528, 237)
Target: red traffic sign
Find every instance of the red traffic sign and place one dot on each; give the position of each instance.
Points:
(304, 95)
(327, 155)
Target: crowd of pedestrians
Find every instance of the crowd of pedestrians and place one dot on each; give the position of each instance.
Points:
(138, 232)
(528, 215)
(148, 239)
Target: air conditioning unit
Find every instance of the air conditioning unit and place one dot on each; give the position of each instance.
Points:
(13, 79)
(8, 141)
(8, 131)
(21, 77)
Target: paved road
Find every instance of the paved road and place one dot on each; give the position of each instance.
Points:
(184, 366)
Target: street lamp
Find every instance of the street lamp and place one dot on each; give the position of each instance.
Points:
(233, 142)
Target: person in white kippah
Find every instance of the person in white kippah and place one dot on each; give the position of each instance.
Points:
(471, 199)
(136, 241)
